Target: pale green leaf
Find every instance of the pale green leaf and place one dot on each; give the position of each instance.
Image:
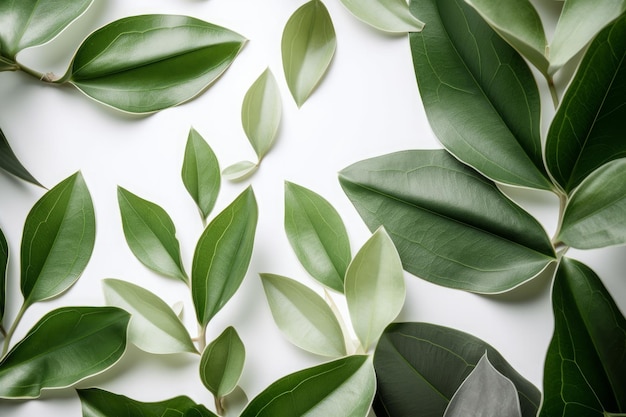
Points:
(4, 260)
(222, 363)
(387, 15)
(11, 164)
(239, 171)
(201, 173)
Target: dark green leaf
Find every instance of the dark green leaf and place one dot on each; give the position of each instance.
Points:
(66, 346)
(419, 367)
(479, 95)
(585, 368)
(143, 64)
(201, 173)
(10, 163)
(4, 260)
(222, 363)
(451, 226)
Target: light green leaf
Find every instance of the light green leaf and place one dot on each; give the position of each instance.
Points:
(343, 387)
(10, 163)
(375, 289)
(480, 97)
(387, 15)
(308, 46)
(222, 256)
(58, 239)
(317, 235)
(26, 23)
(154, 327)
(239, 171)
(143, 64)
(222, 363)
(66, 346)
(585, 367)
(4, 260)
(201, 173)
(451, 226)
(303, 316)
(151, 235)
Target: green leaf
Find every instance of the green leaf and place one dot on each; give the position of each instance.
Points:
(419, 367)
(29, 23)
(151, 235)
(387, 15)
(479, 95)
(451, 226)
(375, 289)
(66, 346)
(261, 112)
(343, 387)
(4, 260)
(303, 316)
(10, 163)
(201, 173)
(585, 131)
(585, 368)
(154, 327)
(317, 235)
(222, 363)
(308, 46)
(143, 64)
(58, 239)
(239, 171)
(222, 256)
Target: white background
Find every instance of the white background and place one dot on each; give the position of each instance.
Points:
(367, 105)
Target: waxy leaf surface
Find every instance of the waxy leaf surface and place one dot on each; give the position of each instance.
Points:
(4, 260)
(387, 15)
(239, 170)
(66, 346)
(201, 173)
(479, 95)
(222, 363)
(11, 164)
(142, 64)
(451, 226)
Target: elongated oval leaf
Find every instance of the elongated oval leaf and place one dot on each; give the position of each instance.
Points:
(585, 368)
(479, 95)
(201, 173)
(343, 387)
(374, 287)
(587, 129)
(308, 46)
(154, 327)
(419, 367)
(58, 239)
(451, 226)
(388, 15)
(222, 363)
(303, 316)
(222, 256)
(4, 260)
(11, 164)
(239, 170)
(150, 234)
(317, 235)
(142, 64)
(66, 346)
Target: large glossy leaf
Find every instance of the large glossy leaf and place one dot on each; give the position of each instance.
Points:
(375, 288)
(150, 234)
(585, 368)
(317, 235)
(308, 46)
(58, 239)
(4, 260)
(344, 387)
(66, 346)
(419, 367)
(479, 95)
(143, 64)
(222, 256)
(26, 23)
(303, 316)
(154, 327)
(201, 173)
(10, 163)
(451, 226)
(388, 15)
(587, 129)
(222, 363)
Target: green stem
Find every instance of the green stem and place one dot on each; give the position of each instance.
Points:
(3, 331)
(219, 405)
(562, 204)
(9, 334)
(201, 338)
(553, 93)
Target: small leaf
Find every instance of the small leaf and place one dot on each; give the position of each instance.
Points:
(387, 15)
(10, 163)
(222, 256)
(154, 327)
(239, 171)
(222, 363)
(343, 387)
(317, 235)
(201, 173)
(143, 64)
(308, 46)
(66, 346)
(303, 316)
(58, 239)
(4, 260)
(375, 289)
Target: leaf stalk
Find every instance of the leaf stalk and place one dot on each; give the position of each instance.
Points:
(9, 333)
